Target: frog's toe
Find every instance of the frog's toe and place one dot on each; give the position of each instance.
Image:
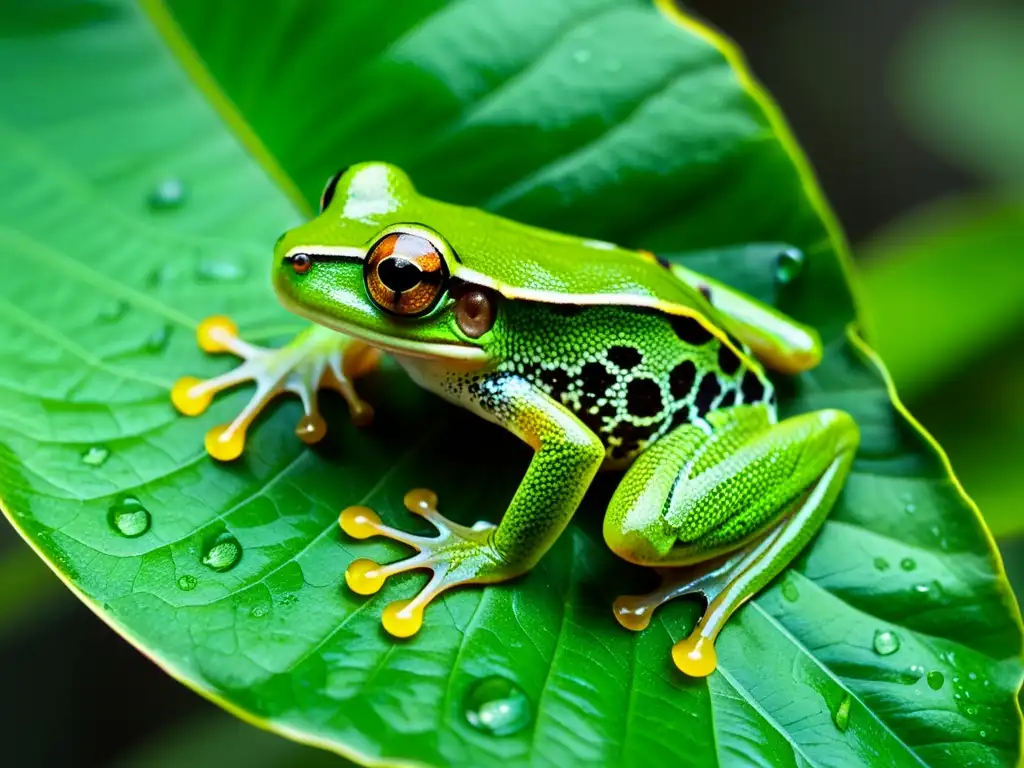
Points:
(315, 359)
(457, 555)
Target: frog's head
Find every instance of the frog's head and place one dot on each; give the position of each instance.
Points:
(369, 267)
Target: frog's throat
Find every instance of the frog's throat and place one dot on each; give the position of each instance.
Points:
(464, 354)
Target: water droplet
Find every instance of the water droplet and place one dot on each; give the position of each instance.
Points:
(910, 509)
(158, 339)
(922, 589)
(790, 592)
(972, 675)
(112, 311)
(886, 642)
(788, 265)
(95, 455)
(842, 716)
(167, 195)
(496, 706)
(582, 56)
(129, 518)
(881, 563)
(916, 672)
(908, 564)
(219, 271)
(935, 680)
(223, 554)
(259, 611)
(187, 582)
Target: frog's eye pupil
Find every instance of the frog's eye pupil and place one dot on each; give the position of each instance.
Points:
(301, 263)
(399, 274)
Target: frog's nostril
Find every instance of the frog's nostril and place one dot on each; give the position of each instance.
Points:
(398, 274)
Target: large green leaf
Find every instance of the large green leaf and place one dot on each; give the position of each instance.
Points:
(605, 118)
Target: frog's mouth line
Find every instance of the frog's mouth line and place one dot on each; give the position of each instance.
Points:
(468, 355)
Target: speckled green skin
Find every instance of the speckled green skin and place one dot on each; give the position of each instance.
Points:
(597, 356)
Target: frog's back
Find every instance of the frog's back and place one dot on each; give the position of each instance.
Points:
(630, 374)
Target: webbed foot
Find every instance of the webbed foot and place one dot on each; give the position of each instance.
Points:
(694, 655)
(457, 555)
(316, 358)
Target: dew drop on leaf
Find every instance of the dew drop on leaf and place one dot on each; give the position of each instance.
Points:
(259, 611)
(788, 265)
(112, 311)
(223, 554)
(886, 642)
(187, 582)
(496, 706)
(916, 672)
(908, 564)
(790, 592)
(881, 564)
(158, 340)
(935, 679)
(582, 56)
(129, 518)
(167, 195)
(842, 715)
(219, 271)
(95, 455)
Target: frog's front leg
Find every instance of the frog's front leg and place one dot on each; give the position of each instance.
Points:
(317, 357)
(731, 509)
(567, 458)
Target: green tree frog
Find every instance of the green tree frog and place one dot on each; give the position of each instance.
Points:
(594, 355)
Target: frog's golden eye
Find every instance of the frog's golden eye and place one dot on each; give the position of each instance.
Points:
(405, 274)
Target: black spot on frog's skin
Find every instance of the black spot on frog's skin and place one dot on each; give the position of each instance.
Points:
(753, 387)
(728, 360)
(595, 421)
(707, 392)
(705, 291)
(680, 380)
(680, 417)
(643, 397)
(596, 379)
(728, 400)
(565, 310)
(557, 379)
(690, 330)
(625, 358)
(663, 262)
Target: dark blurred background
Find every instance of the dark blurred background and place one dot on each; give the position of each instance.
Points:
(912, 112)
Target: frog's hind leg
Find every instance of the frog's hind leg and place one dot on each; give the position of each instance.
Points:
(316, 358)
(730, 510)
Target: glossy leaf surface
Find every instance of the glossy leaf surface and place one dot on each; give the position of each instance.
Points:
(134, 211)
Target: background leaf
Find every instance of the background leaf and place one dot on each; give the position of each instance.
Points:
(943, 289)
(673, 152)
(958, 85)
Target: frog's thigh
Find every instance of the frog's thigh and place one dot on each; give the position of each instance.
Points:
(752, 486)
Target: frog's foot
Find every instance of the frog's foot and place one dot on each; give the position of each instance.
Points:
(316, 358)
(458, 555)
(694, 655)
